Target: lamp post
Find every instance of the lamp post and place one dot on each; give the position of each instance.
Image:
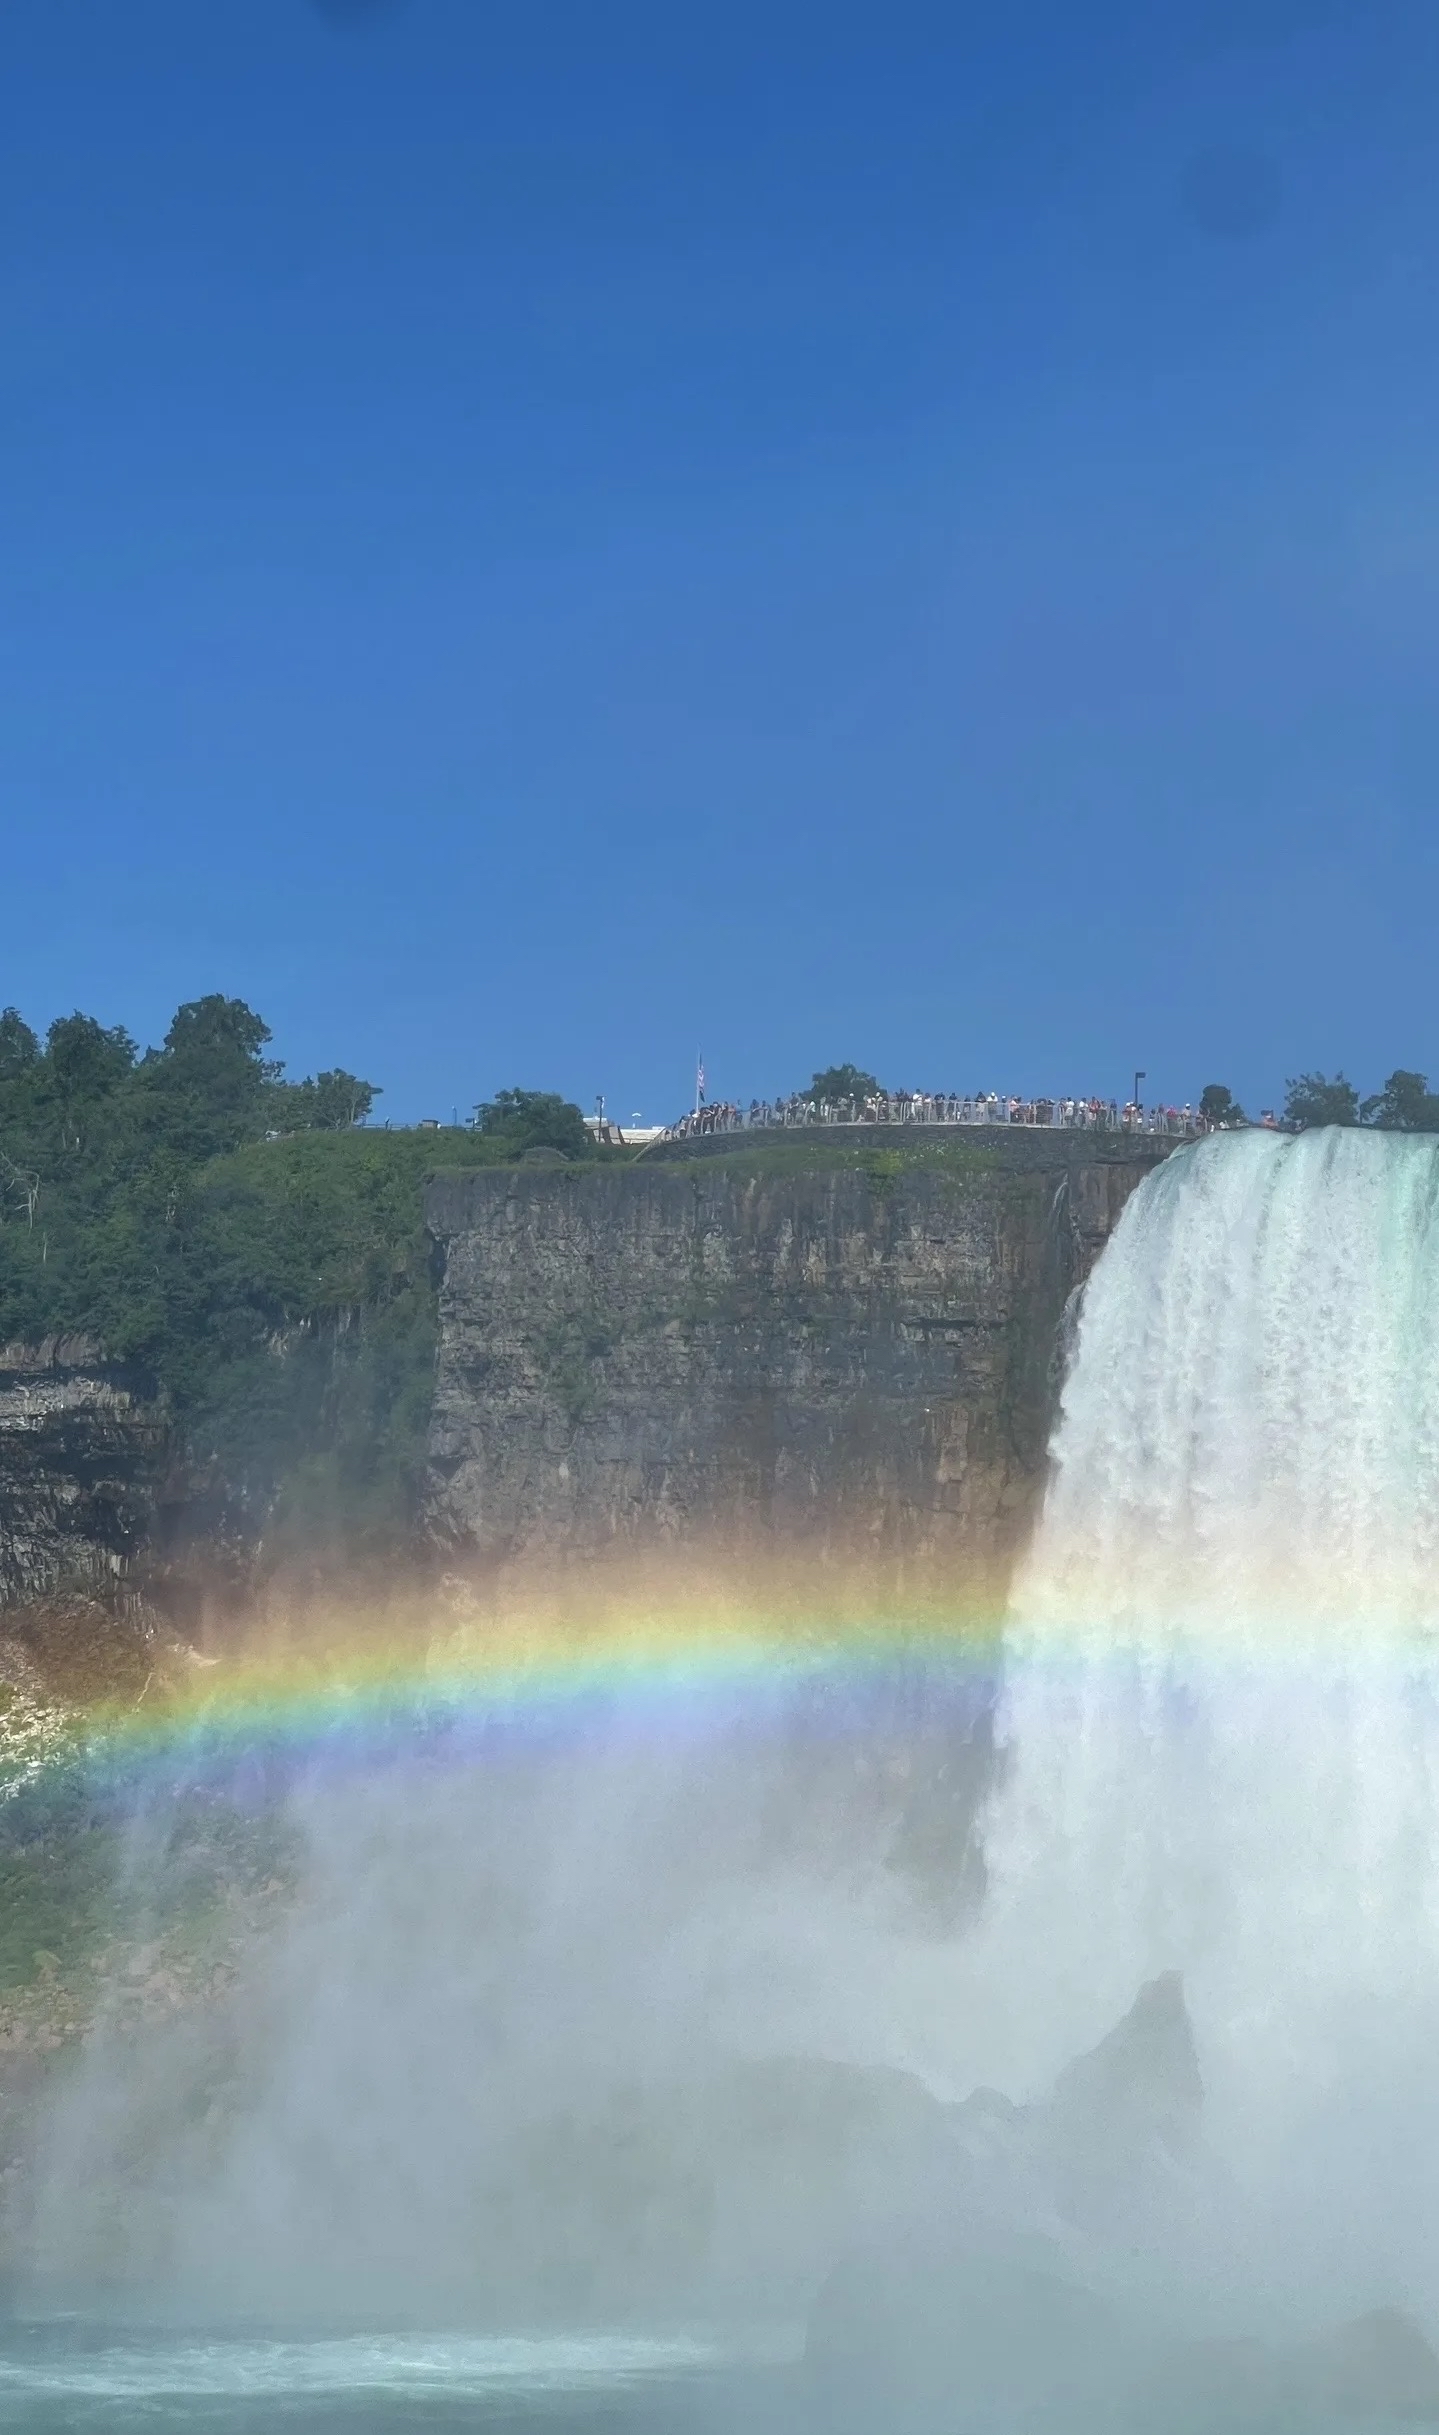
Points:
(1138, 1078)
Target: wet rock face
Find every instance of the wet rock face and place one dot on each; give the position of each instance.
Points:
(81, 1455)
(1141, 2085)
(1010, 2278)
(671, 1352)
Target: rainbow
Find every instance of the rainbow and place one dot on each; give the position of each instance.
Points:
(357, 1691)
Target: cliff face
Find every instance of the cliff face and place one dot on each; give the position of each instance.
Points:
(850, 1357)
(859, 1356)
(81, 1452)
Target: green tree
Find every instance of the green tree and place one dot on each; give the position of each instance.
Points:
(327, 1103)
(1316, 1099)
(208, 1086)
(84, 1062)
(1218, 1105)
(1405, 1105)
(19, 1048)
(840, 1082)
(518, 1120)
(101, 1155)
(65, 1093)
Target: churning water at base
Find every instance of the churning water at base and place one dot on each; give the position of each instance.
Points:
(81, 2376)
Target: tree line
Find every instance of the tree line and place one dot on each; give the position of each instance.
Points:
(1405, 1104)
(245, 1241)
(86, 1095)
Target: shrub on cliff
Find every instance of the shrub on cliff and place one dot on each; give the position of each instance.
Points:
(1315, 1099)
(1218, 1105)
(516, 1121)
(839, 1083)
(1405, 1105)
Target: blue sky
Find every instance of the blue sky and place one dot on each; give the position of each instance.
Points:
(535, 537)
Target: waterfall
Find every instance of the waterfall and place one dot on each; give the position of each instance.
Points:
(1250, 1432)
(1220, 1724)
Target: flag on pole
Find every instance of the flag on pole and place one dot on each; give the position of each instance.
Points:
(699, 1081)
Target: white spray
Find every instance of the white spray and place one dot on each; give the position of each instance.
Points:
(1221, 1713)
(1219, 1738)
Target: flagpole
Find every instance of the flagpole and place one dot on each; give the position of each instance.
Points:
(699, 1078)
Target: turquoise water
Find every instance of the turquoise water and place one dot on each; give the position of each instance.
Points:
(72, 2373)
(71, 2376)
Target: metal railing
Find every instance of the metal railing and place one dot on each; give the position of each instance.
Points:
(900, 1108)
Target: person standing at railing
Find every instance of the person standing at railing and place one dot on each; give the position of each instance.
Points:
(930, 1108)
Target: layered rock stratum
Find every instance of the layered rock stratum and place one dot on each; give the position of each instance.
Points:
(737, 1349)
(809, 1343)
(82, 1448)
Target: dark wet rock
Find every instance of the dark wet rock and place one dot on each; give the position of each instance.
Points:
(1141, 2085)
(962, 2298)
(1377, 2366)
(745, 2178)
(926, 2334)
(1120, 2134)
(1240, 2386)
(82, 1453)
(1377, 2370)
(987, 2108)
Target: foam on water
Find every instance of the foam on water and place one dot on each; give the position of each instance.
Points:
(458, 2367)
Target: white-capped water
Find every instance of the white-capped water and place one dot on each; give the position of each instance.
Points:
(114, 2366)
(1220, 1722)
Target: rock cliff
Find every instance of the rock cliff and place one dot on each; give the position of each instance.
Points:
(844, 1347)
(81, 1452)
(849, 1355)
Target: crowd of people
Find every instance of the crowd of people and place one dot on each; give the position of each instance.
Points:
(936, 1108)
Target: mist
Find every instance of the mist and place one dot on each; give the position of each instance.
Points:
(939, 2046)
(591, 2027)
